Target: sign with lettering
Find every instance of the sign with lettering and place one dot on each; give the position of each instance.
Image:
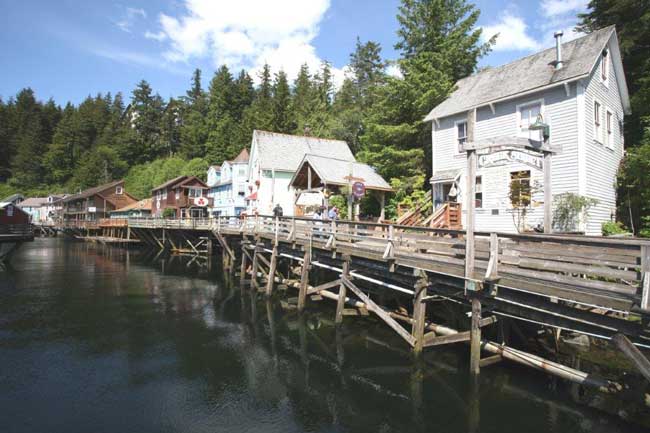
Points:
(510, 156)
(92, 209)
(358, 189)
(201, 201)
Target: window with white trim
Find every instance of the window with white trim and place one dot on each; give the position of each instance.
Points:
(604, 66)
(597, 122)
(609, 129)
(119, 190)
(461, 134)
(528, 114)
(195, 192)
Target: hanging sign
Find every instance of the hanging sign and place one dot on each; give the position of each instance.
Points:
(510, 156)
(358, 189)
(92, 209)
(201, 201)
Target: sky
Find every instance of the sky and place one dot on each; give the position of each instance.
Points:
(68, 49)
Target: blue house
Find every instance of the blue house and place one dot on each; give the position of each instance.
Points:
(228, 186)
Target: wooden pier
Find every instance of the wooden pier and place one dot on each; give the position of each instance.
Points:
(11, 237)
(589, 285)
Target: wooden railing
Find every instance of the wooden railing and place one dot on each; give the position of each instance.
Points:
(113, 222)
(597, 271)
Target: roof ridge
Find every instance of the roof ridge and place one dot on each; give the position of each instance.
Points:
(536, 53)
(298, 135)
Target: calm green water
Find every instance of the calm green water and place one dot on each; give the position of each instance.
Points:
(101, 340)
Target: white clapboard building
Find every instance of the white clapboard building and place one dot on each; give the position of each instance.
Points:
(274, 158)
(579, 90)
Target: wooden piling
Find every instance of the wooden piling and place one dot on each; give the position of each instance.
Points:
(340, 304)
(304, 280)
(419, 314)
(244, 257)
(272, 266)
(256, 266)
(475, 337)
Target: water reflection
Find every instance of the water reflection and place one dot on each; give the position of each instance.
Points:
(104, 339)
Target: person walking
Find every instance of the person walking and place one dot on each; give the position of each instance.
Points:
(277, 211)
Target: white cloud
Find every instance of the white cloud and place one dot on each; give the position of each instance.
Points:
(247, 34)
(128, 18)
(393, 70)
(159, 36)
(513, 34)
(551, 8)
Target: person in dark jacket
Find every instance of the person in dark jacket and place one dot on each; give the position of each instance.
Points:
(277, 210)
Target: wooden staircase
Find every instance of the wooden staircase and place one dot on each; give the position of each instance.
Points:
(447, 216)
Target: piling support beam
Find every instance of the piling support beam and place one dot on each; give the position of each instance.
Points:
(242, 270)
(256, 266)
(340, 303)
(304, 280)
(419, 314)
(475, 337)
(272, 267)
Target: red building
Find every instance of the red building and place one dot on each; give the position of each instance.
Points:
(10, 214)
(185, 195)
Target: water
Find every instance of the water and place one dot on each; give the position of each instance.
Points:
(97, 339)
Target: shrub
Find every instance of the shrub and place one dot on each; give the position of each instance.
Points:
(613, 228)
(570, 209)
(169, 213)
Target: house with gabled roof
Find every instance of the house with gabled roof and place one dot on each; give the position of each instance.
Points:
(228, 189)
(186, 196)
(571, 98)
(95, 203)
(274, 158)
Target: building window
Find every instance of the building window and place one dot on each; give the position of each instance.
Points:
(597, 131)
(195, 192)
(520, 192)
(242, 171)
(528, 114)
(478, 193)
(178, 194)
(241, 191)
(609, 126)
(267, 173)
(461, 134)
(119, 190)
(604, 66)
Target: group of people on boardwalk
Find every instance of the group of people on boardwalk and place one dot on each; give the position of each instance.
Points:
(321, 213)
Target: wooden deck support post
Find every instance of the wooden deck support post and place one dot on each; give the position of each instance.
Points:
(304, 280)
(645, 277)
(256, 265)
(548, 194)
(475, 337)
(419, 313)
(272, 267)
(242, 270)
(340, 303)
(470, 203)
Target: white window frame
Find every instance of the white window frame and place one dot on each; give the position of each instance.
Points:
(609, 128)
(604, 67)
(457, 137)
(597, 115)
(520, 107)
(119, 190)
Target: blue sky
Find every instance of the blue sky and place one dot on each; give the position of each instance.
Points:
(67, 49)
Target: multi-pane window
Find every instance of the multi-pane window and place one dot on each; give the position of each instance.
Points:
(119, 190)
(461, 134)
(520, 191)
(195, 192)
(527, 116)
(597, 129)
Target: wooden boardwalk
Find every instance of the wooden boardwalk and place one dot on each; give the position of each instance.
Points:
(591, 285)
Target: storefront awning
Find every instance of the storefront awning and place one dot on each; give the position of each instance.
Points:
(445, 176)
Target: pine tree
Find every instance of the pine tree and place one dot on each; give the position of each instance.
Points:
(145, 115)
(60, 159)
(193, 128)
(303, 99)
(282, 121)
(368, 69)
(221, 124)
(440, 44)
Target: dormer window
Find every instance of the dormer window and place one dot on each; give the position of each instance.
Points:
(604, 66)
(461, 134)
(119, 190)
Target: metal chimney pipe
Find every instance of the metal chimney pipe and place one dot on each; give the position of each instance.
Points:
(558, 49)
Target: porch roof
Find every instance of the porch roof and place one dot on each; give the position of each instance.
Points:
(445, 175)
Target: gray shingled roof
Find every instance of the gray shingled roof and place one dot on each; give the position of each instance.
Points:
(284, 152)
(33, 202)
(526, 74)
(445, 175)
(334, 172)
